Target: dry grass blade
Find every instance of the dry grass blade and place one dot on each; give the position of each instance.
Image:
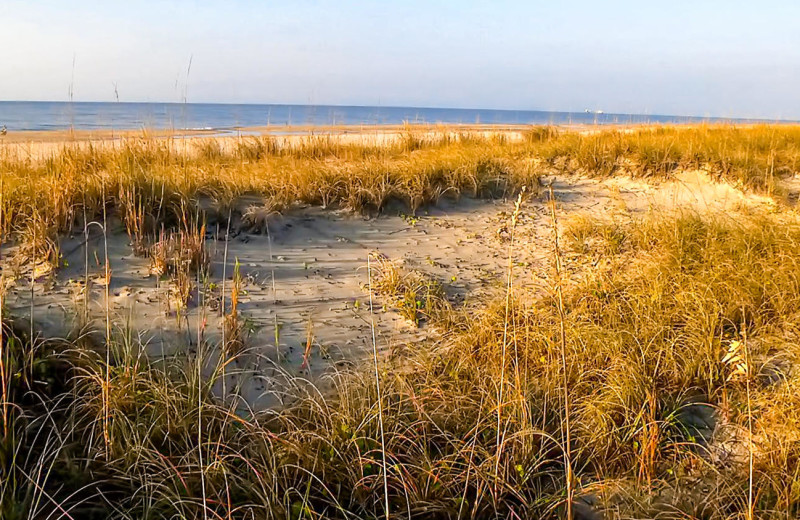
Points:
(566, 430)
(378, 392)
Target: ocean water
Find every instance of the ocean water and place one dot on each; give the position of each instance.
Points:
(40, 115)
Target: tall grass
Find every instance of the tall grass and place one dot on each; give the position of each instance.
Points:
(752, 157)
(657, 425)
(146, 178)
(632, 350)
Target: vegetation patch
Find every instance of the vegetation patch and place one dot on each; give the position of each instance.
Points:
(659, 381)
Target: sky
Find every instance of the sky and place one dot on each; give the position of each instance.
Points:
(727, 58)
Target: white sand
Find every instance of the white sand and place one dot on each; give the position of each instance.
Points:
(311, 269)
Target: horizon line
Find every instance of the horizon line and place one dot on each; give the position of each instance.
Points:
(590, 111)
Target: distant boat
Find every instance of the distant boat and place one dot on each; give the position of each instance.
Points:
(590, 111)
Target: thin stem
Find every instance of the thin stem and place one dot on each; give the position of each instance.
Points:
(3, 386)
(378, 389)
(750, 506)
(274, 295)
(563, 343)
(509, 293)
(222, 307)
(200, 427)
(107, 386)
(33, 278)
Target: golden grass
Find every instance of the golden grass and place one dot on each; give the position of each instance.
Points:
(417, 297)
(751, 157)
(662, 423)
(651, 402)
(145, 179)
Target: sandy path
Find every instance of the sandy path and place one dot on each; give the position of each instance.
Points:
(310, 271)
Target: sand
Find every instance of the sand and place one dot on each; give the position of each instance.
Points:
(305, 275)
(37, 145)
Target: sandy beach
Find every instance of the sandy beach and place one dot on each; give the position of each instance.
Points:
(305, 291)
(290, 280)
(399, 260)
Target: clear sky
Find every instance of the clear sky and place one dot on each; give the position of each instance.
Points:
(699, 57)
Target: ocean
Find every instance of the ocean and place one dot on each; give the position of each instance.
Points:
(41, 115)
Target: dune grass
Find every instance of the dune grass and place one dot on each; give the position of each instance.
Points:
(145, 178)
(752, 157)
(149, 177)
(678, 356)
(659, 420)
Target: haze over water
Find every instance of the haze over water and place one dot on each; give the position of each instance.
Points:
(36, 115)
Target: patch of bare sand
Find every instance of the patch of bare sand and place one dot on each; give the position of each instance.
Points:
(309, 273)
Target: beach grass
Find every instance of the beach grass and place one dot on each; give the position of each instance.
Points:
(656, 377)
(659, 419)
(417, 167)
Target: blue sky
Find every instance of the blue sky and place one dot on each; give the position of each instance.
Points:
(716, 58)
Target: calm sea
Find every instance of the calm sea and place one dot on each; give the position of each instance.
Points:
(28, 115)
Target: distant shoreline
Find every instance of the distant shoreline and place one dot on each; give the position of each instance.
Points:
(82, 135)
(231, 119)
(66, 136)
(41, 144)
